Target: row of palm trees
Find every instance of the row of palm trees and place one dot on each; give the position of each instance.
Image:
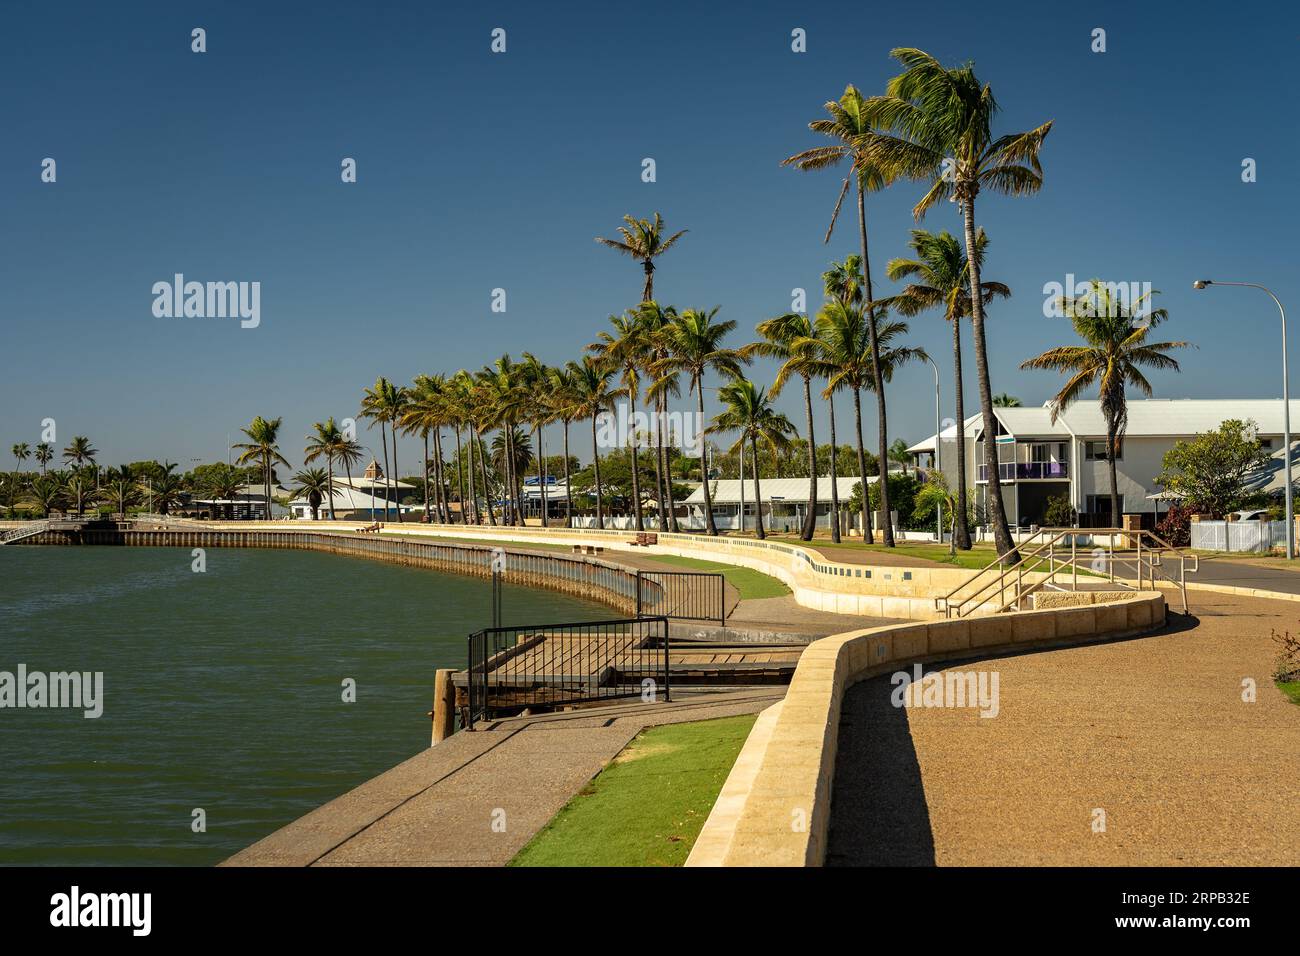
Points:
(78, 453)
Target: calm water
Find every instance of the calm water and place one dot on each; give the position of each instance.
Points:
(222, 691)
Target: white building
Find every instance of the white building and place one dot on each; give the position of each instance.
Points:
(785, 502)
(368, 497)
(1039, 458)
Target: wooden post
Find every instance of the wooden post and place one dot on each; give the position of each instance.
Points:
(444, 705)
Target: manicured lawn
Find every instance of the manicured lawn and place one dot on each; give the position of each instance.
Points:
(750, 583)
(1291, 689)
(647, 807)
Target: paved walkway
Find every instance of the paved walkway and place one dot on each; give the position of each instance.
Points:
(1152, 730)
(478, 797)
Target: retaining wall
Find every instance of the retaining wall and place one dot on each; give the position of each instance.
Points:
(774, 809)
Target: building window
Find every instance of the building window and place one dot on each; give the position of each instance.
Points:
(1266, 444)
(1096, 451)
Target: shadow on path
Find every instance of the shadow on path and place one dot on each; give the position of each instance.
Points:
(878, 812)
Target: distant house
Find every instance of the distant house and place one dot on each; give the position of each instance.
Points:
(1038, 459)
(784, 504)
(366, 498)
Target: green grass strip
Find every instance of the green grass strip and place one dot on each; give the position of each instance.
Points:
(647, 807)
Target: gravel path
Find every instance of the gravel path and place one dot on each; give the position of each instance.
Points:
(1152, 731)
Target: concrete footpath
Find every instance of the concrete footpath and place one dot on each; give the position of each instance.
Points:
(478, 797)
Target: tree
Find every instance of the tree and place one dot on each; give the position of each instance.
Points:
(1059, 513)
(851, 125)
(120, 488)
(79, 452)
(643, 240)
(563, 392)
(693, 346)
(625, 349)
(663, 386)
(1212, 471)
(44, 455)
(899, 455)
(941, 280)
(261, 447)
(938, 493)
(593, 394)
(748, 411)
(1004, 400)
(385, 404)
(940, 128)
(1115, 350)
(314, 485)
(324, 442)
(779, 338)
(48, 490)
(21, 453)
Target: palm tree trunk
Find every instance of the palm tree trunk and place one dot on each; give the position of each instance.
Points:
(659, 466)
(397, 491)
(508, 446)
(568, 489)
(460, 478)
(440, 494)
(383, 437)
(474, 447)
(704, 471)
(997, 512)
(879, 384)
(329, 464)
(835, 490)
(671, 505)
(347, 466)
(541, 474)
(1112, 435)
(868, 536)
(636, 461)
(758, 491)
(487, 499)
(960, 528)
(595, 460)
(426, 476)
(810, 519)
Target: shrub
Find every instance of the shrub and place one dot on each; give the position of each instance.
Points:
(1176, 526)
(1059, 513)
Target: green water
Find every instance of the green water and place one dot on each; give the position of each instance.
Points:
(222, 691)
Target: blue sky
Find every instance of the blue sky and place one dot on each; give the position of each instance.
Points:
(479, 170)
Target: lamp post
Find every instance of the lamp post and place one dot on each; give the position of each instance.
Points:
(938, 444)
(1286, 406)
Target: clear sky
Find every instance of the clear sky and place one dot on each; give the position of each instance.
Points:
(479, 170)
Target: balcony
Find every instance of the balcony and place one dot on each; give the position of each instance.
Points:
(1028, 470)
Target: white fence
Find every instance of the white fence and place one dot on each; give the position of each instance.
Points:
(1238, 535)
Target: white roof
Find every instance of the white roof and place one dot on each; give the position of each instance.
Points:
(727, 490)
(1147, 417)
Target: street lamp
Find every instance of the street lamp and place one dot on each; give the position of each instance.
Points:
(1286, 406)
(938, 444)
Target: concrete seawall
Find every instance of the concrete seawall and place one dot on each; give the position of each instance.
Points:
(585, 577)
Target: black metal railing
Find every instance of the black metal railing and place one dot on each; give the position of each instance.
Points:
(548, 665)
(682, 595)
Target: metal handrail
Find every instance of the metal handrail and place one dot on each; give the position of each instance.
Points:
(1148, 562)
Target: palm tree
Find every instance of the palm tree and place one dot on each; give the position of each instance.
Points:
(843, 358)
(749, 411)
(593, 394)
(849, 125)
(48, 491)
(1115, 349)
(536, 411)
(223, 483)
(899, 455)
(349, 452)
(1003, 400)
(79, 452)
(505, 398)
(693, 346)
(121, 488)
(941, 129)
(656, 318)
(324, 442)
(314, 485)
(78, 487)
(261, 447)
(425, 413)
(385, 404)
(21, 452)
(167, 486)
(941, 280)
(44, 455)
(937, 493)
(563, 399)
(779, 336)
(626, 349)
(460, 402)
(644, 241)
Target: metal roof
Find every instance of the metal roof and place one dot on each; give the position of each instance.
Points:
(727, 491)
